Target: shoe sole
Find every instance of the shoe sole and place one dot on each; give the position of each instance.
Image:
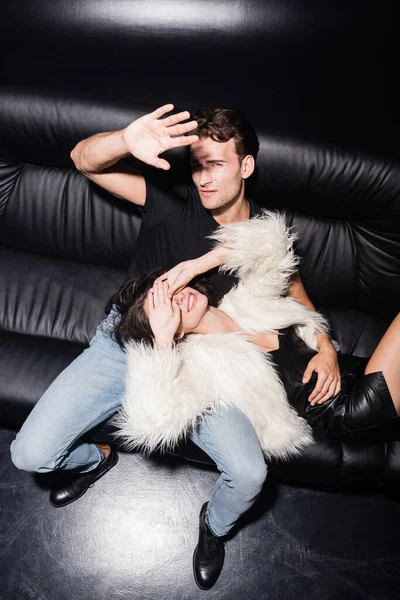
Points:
(110, 466)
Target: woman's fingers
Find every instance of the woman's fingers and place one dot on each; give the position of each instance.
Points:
(160, 293)
(175, 290)
(176, 308)
(156, 294)
(165, 287)
(150, 301)
(170, 279)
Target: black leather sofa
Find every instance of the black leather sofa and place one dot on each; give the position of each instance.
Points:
(65, 244)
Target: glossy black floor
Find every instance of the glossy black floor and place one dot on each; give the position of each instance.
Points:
(132, 537)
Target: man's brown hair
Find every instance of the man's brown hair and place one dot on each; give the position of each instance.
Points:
(223, 124)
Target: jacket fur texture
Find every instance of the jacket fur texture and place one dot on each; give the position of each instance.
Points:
(169, 390)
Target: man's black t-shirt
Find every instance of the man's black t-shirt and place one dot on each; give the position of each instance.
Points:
(174, 228)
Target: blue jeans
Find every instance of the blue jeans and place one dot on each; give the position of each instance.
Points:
(90, 390)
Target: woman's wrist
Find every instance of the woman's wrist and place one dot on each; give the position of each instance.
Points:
(163, 343)
(214, 258)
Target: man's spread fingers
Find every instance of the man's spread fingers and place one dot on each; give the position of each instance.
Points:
(162, 164)
(177, 118)
(184, 140)
(159, 112)
(182, 128)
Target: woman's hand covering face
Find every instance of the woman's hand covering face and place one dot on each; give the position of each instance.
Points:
(163, 312)
(179, 276)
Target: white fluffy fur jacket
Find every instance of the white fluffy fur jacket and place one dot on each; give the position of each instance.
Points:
(168, 390)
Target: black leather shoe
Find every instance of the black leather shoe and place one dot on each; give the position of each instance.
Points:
(78, 486)
(208, 558)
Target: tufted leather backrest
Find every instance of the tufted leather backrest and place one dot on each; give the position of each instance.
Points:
(346, 210)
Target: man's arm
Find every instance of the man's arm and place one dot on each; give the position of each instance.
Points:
(325, 362)
(298, 292)
(99, 156)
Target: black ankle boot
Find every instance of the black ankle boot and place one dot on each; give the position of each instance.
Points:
(209, 555)
(79, 485)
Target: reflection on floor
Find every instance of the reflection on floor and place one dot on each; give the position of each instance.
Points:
(132, 537)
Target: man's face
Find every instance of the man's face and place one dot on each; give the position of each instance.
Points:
(217, 172)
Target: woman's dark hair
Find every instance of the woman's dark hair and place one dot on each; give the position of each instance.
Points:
(130, 298)
(223, 124)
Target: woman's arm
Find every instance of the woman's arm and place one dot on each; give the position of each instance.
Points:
(182, 274)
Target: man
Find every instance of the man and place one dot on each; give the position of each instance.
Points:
(175, 226)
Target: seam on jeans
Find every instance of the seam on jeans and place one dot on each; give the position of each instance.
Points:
(215, 491)
(214, 497)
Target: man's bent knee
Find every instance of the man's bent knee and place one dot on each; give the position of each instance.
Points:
(27, 458)
(249, 481)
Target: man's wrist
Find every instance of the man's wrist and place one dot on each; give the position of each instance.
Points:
(123, 144)
(99, 152)
(324, 343)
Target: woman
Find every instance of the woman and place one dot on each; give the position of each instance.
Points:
(226, 383)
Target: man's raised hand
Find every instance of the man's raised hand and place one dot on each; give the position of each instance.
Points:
(150, 135)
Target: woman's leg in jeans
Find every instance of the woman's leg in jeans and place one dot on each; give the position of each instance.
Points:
(83, 395)
(229, 439)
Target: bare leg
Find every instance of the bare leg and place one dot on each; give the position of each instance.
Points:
(386, 358)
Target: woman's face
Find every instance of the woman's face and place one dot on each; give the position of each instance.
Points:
(193, 306)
